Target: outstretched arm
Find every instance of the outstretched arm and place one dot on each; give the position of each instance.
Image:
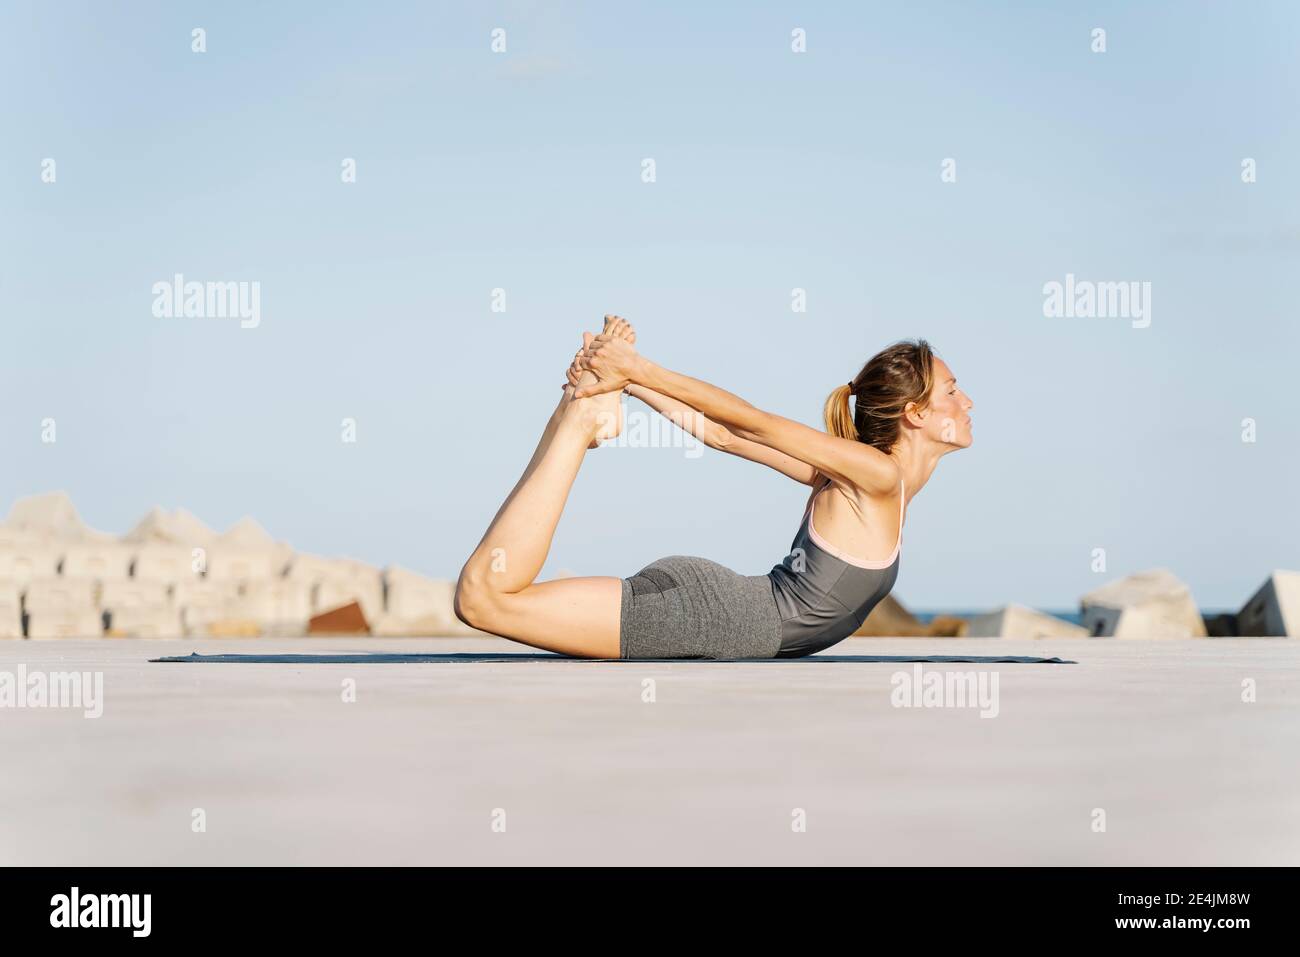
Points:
(849, 463)
(690, 420)
(718, 437)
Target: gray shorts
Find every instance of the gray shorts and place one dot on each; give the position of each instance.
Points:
(686, 607)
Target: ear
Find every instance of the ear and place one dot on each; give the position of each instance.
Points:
(914, 416)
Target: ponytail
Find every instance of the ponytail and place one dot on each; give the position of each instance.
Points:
(839, 419)
(891, 380)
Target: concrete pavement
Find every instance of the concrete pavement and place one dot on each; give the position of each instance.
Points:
(565, 762)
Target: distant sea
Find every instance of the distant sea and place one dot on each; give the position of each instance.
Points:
(1071, 616)
(928, 616)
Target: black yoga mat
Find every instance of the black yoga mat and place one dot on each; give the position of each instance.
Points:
(383, 658)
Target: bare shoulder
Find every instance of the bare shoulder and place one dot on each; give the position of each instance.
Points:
(886, 474)
(877, 476)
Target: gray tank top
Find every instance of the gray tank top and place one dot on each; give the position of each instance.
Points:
(824, 595)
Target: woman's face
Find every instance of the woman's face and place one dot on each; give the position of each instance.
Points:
(947, 419)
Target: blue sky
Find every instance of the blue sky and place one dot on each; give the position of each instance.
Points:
(775, 170)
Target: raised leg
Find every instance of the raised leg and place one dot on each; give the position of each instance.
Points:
(496, 591)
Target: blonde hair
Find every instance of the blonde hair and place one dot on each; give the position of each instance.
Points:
(891, 380)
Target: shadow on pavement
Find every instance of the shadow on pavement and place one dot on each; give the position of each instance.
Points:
(497, 657)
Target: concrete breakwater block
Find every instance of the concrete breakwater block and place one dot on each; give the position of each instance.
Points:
(103, 561)
(890, 619)
(1274, 610)
(1147, 604)
(177, 528)
(65, 624)
(335, 592)
(11, 612)
(412, 596)
(247, 553)
(429, 626)
(235, 564)
(62, 608)
(337, 582)
(61, 595)
(232, 628)
(50, 516)
(22, 562)
(202, 603)
(1018, 621)
(140, 609)
(173, 575)
(145, 621)
(165, 564)
(279, 606)
(418, 606)
(121, 595)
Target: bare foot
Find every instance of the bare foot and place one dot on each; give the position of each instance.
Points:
(607, 408)
(609, 414)
(601, 416)
(618, 326)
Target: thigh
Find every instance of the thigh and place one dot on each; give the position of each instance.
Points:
(571, 616)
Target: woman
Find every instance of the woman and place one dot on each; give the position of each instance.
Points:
(908, 413)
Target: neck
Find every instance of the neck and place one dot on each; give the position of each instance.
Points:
(916, 461)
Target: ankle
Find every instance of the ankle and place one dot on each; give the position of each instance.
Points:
(582, 415)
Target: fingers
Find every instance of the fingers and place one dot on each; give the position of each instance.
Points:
(598, 388)
(606, 366)
(592, 345)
